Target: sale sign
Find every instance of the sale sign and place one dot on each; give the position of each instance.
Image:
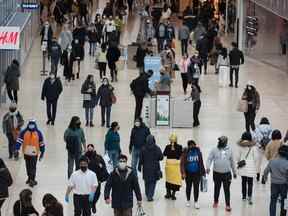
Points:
(9, 37)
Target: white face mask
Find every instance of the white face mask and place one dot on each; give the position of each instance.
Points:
(122, 165)
(52, 76)
(31, 127)
(105, 83)
(137, 124)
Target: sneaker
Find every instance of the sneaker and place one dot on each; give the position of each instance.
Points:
(196, 205)
(230, 85)
(243, 198)
(188, 204)
(228, 209)
(167, 196)
(215, 205)
(250, 201)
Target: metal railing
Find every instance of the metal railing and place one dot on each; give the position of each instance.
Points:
(279, 7)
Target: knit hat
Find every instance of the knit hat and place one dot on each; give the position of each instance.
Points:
(246, 136)
(223, 139)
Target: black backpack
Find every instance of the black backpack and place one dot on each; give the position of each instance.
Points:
(72, 144)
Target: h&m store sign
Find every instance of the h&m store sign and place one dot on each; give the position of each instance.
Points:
(9, 37)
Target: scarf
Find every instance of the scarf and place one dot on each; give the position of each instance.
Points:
(14, 119)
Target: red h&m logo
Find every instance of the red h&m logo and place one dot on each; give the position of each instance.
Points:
(9, 37)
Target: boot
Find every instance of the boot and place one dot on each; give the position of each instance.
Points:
(173, 197)
(258, 177)
(78, 76)
(87, 124)
(91, 124)
(168, 194)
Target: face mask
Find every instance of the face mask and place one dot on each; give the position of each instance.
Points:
(122, 165)
(78, 124)
(31, 126)
(249, 88)
(52, 76)
(12, 110)
(83, 168)
(137, 124)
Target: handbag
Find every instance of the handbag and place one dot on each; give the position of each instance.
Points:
(242, 106)
(204, 184)
(140, 211)
(113, 98)
(242, 163)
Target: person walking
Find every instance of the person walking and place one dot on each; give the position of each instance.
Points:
(112, 143)
(102, 60)
(222, 67)
(149, 163)
(173, 153)
(106, 97)
(88, 90)
(5, 182)
(11, 80)
(252, 97)
(122, 182)
(55, 52)
(46, 36)
(183, 36)
(139, 57)
(33, 147)
(12, 124)
(184, 63)
(113, 55)
(195, 96)
(161, 35)
(67, 60)
(52, 206)
(140, 87)
(78, 54)
(92, 36)
(192, 170)
(262, 136)
(194, 69)
(247, 152)
(74, 138)
(223, 164)
(65, 38)
(236, 59)
(51, 90)
(203, 49)
(271, 150)
(24, 205)
(278, 169)
(83, 183)
(139, 134)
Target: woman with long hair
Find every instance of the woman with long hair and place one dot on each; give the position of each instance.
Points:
(222, 67)
(24, 206)
(52, 206)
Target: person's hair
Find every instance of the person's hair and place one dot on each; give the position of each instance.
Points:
(105, 79)
(191, 143)
(246, 136)
(16, 62)
(253, 89)
(26, 198)
(264, 120)
(123, 157)
(72, 124)
(83, 158)
(114, 125)
(48, 199)
(103, 47)
(90, 145)
(2, 163)
(165, 7)
(276, 135)
(283, 151)
(89, 76)
(139, 119)
(234, 44)
(224, 52)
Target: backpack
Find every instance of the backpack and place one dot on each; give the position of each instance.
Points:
(192, 161)
(72, 144)
(265, 140)
(162, 31)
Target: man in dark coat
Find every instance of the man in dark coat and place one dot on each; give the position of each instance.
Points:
(138, 137)
(236, 58)
(139, 58)
(113, 55)
(67, 60)
(46, 36)
(11, 79)
(78, 54)
(140, 87)
(149, 162)
(122, 182)
(56, 53)
(202, 47)
(51, 90)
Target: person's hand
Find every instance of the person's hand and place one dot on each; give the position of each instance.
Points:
(183, 176)
(107, 201)
(40, 158)
(234, 176)
(139, 203)
(91, 197)
(207, 171)
(66, 198)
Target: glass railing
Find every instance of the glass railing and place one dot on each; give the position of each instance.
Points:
(7, 9)
(279, 7)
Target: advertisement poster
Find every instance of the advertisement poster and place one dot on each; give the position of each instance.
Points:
(163, 110)
(153, 63)
(9, 37)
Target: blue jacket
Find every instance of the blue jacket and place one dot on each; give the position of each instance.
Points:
(112, 141)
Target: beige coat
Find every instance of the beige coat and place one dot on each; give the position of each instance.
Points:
(271, 151)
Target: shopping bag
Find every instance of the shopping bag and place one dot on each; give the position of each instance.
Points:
(108, 162)
(204, 184)
(140, 211)
(242, 106)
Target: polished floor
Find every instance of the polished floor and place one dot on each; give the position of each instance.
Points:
(218, 117)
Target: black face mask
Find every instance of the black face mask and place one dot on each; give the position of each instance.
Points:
(12, 110)
(83, 168)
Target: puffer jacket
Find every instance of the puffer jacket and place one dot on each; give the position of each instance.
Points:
(249, 170)
(260, 132)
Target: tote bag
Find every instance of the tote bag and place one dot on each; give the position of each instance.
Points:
(242, 106)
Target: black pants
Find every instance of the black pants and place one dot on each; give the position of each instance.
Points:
(81, 205)
(195, 81)
(31, 163)
(11, 144)
(113, 71)
(51, 110)
(204, 61)
(284, 49)
(192, 179)
(102, 69)
(184, 77)
(184, 45)
(247, 182)
(196, 110)
(138, 108)
(250, 116)
(219, 179)
(12, 94)
(236, 71)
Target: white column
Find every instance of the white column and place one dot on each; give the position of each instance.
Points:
(240, 17)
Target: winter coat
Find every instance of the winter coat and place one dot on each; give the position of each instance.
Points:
(113, 54)
(170, 32)
(68, 64)
(8, 123)
(104, 94)
(271, 150)
(183, 33)
(199, 30)
(80, 34)
(149, 32)
(65, 39)
(87, 85)
(49, 35)
(79, 133)
(140, 86)
(11, 78)
(5, 182)
(20, 210)
(236, 57)
(149, 161)
(194, 69)
(78, 51)
(51, 91)
(138, 137)
(249, 170)
(112, 141)
(140, 55)
(184, 161)
(254, 100)
(96, 164)
(261, 131)
(123, 184)
(93, 36)
(202, 46)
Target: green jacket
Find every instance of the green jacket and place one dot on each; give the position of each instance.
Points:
(77, 132)
(112, 141)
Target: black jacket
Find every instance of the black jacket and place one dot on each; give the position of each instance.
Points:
(20, 210)
(149, 161)
(80, 34)
(68, 64)
(97, 165)
(104, 94)
(236, 57)
(122, 184)
(78, 51)
(140, 86)
(113, 54)
(138, 137)
(5, 182)
(51, 91)
(140, 55)
(202, 46)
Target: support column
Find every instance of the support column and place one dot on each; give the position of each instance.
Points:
(240, 24)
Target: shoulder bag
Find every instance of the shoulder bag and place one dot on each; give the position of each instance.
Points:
(242, 163)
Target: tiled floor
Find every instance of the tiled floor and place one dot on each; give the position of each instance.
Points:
(218, 117)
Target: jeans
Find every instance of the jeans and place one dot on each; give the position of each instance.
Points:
(150, 189)
(138, 108)
(73, 158)
(102, 69)
(192, 179)
(114, 156)
(54, 65)
(196, 110)
(247, 181)
(219, 179)
(123, 212)
(11, 144)
(184, 77)
(81, 205)
(276, 191)
(184, 45)
(232, 70)
(92, 48)
(12, 95)
(105, 110)
(51, 110)
(89, 114)
(135, 159)
(250, 116)
(31, 163)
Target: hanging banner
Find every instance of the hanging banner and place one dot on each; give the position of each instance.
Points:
(153, 63)
(9, 37)
(163, 110)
